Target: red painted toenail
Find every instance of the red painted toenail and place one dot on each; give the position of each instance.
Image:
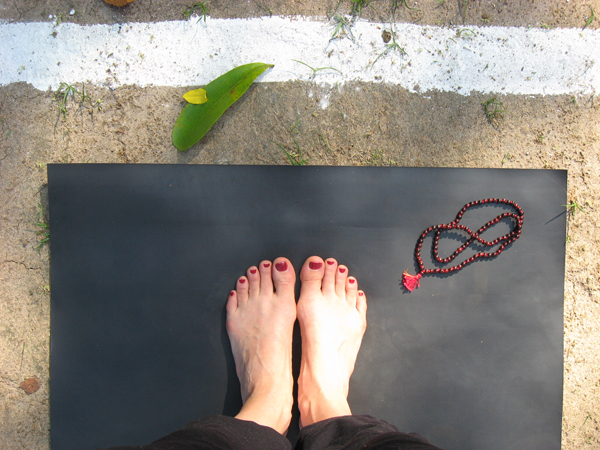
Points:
(232, 293)
(315, 265)
(342, 269)
(351, 280)
(361, 293)
(252, 270)
(242, 280)
(281, 266)
(331, 263)
(266, 265)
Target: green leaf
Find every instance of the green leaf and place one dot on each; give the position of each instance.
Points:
(195, 120)
(196, 97)
(590, 20)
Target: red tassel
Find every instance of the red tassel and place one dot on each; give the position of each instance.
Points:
(411, 282)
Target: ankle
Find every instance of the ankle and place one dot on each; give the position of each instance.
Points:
(317, 408)
(269, 411)
(320, 401)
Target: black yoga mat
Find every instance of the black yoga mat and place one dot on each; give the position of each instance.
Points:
(144, 256)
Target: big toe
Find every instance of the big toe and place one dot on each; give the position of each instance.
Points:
(284, 277)
(312, 274)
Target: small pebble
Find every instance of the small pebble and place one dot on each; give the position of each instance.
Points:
(72, 12)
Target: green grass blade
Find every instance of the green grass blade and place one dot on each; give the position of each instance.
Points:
(195, 120)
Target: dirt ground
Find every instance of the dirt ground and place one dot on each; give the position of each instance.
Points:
(365, 124)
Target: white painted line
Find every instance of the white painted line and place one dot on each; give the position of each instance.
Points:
(190, 53)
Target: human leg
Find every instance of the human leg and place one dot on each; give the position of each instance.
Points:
(358, 433)
(332, 313)
(260, 319)
(218, 433)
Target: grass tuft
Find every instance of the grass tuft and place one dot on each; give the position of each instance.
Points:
(389, 47)
(65, 91)
(494, 111)
(573, 207)
(295, 157)
(193, 10)
(342, 28)
(43, 232)
(318, 69)
(590, 20)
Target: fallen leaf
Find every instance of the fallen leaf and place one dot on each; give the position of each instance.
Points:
(30, 385)
(196, 97)
(195, 120)
(118, 2)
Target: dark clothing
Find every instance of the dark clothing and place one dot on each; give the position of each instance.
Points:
(358, 432)
(339, 433)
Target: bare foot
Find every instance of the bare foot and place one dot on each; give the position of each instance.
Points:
(332, 313)
(260, 319)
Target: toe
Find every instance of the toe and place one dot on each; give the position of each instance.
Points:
(312, 275)
(328, 286)
(254, 281)
(232, 303)
(242, 288)
(266, 281)
(351, 291)
(361, 303)
(284, 277)
(341, 275)
(312, 270)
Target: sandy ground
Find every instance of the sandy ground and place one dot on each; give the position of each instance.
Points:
(365, 124)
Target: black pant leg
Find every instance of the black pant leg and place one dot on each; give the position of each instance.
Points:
(219, 433)
(358, 432)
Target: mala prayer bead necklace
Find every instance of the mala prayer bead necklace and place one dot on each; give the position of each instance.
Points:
(413, 281)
